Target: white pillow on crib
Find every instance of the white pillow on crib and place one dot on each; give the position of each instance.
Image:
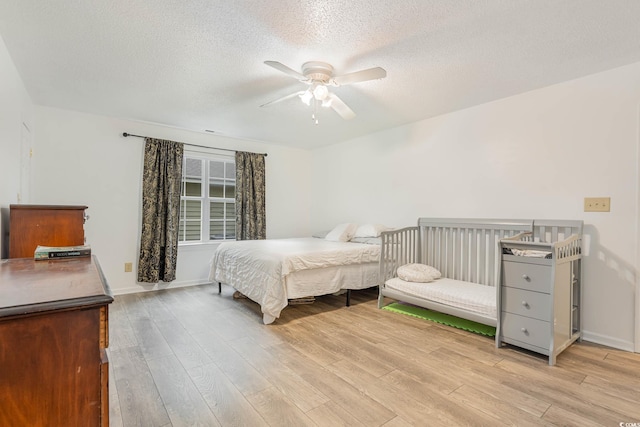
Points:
(420, 273)
(342, 232)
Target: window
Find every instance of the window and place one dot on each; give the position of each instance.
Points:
(207, 211)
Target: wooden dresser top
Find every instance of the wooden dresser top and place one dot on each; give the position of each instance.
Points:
(46, 207)
(28, 286)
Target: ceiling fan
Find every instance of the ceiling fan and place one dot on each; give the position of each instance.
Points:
(319, 75)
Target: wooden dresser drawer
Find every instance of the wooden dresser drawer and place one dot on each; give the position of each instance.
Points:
(522, 275)
(526, 303)
(525, 329)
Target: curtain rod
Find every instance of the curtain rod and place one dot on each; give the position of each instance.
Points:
(125, 134)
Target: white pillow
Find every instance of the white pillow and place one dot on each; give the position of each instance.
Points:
(342, 232)
(370, 230)
(320, 234)
(367, 240)
(420, 273)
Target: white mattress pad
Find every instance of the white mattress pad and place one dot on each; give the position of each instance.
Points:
(468, 296)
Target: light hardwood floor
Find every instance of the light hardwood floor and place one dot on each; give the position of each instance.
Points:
(190, 356)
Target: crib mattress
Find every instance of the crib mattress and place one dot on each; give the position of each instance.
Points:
(467, 296)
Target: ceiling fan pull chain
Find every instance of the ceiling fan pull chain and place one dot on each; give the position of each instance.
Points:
(315, 110)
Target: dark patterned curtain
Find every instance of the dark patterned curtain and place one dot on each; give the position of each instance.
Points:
(161, 183)
(251, 219)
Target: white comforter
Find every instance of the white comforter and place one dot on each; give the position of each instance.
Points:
(258, 268)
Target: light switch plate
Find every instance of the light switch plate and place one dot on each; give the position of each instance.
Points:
(597, 204)
(128, 267)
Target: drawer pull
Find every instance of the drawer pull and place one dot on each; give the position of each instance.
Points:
(525, 304)
(525, 277)
(524, 331)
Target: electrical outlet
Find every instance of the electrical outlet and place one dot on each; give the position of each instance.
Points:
(128, 267)
(597, 204)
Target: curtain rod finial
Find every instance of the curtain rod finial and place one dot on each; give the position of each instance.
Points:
(125, 134)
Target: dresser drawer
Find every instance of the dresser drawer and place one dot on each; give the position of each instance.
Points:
(526, 303)
(525, 329)
(522, 275)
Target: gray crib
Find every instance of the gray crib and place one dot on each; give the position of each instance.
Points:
(537, 300)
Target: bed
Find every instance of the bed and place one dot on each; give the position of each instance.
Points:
(271, 272)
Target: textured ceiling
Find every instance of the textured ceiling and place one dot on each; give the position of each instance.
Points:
(198, 64)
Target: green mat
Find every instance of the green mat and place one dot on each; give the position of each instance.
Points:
(445, 319)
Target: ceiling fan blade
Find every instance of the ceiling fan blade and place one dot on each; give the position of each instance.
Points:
(281, 67)
(284, 98)
(340, 107)
(359, 76)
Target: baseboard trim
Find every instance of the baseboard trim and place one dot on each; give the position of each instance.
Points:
(608, 341)
(149, 287)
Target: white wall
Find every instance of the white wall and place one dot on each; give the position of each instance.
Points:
(15, 118)
(83, 159)
(535, 155)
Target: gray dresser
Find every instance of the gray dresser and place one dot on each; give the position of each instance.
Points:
(539, 297)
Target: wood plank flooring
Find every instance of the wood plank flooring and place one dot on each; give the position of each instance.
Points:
(193, 357)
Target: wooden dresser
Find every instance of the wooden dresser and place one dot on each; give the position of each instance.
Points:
(45, 225)
(53, 340)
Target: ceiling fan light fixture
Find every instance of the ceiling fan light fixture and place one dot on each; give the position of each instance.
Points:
(320, 92)
(326, 102)
(306, 97)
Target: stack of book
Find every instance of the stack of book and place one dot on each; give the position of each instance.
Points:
(303, 300)
(53, 252)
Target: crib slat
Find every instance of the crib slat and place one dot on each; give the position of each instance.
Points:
(470, 254)
(438, 251)
(486, 256)
(463, 255)
(459, 254)
(473, 270)
(491, 251)
(441, 248)
(482, 250)
(447, 246)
